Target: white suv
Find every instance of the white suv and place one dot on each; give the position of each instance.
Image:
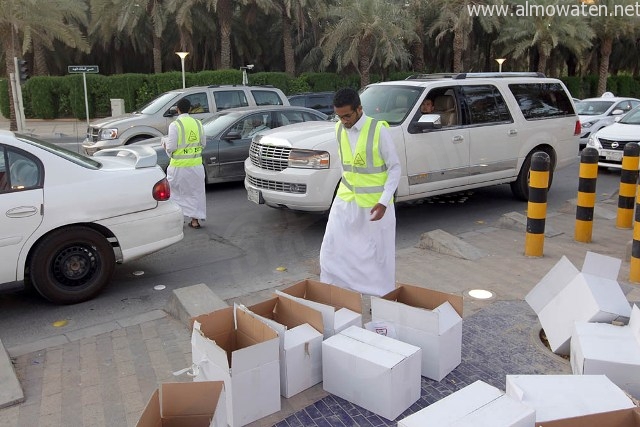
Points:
(154, 118)
(492, 123)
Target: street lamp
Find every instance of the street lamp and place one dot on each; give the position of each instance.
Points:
(182, 55)
(500, 61)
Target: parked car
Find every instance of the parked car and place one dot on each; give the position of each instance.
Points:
(154, 118)
(485, 129)
(611, 140)
(596, 113)
(68, 219)
(321, 101)
(229, 135)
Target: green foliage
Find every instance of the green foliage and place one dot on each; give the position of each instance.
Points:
(127, 86)
(5, 109)
(574, 85)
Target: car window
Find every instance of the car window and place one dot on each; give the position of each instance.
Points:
(199, 103)
(72, 156)
(389, 103)
(230, 99)
(542, 100)
(158, 103)
(320, 102)
(310, 117)
(266, 97)
(485, 104)
(19, 170)
(593, 108)
(297, 101)
(250, 125)
(631, 118)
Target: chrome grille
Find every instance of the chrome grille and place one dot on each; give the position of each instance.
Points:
(269, 157)
(93, 134)
(284, 187)
(607, 144)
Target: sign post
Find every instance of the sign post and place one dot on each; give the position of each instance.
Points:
(84, 69)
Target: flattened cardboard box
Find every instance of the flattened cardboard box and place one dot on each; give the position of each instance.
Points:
(300, 331)
(375, 372)
(188, 404)
(429, 319)
(565, 295)
(340, 307)
(564, 396)
(621, 418)
(601, 348)
(476, 405)
(233, 346)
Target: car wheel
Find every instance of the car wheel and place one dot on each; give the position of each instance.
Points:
(520, 187)
(136, 139)
(72, 265)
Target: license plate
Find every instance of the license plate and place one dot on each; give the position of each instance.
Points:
(612, 155)
(255, 196)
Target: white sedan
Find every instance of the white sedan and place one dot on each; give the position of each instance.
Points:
(611, 140)
(67, 219)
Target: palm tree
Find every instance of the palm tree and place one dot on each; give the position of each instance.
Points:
(364, 33)
(543, 33)
(454, 16)
(23, 21)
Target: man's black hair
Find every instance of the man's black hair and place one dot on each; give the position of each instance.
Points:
(346, 96)
(183, 105)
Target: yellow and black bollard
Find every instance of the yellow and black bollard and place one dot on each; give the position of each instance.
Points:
(586, 194)
(634, 266)
(628, 182)
(537, 207)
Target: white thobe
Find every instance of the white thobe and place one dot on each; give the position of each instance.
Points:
(186, 184)
(358, 253)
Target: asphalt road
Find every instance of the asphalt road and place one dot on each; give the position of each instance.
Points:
(243, 247)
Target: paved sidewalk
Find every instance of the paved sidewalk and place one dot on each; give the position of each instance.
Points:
(104, 375)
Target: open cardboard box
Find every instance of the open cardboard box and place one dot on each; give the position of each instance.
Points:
(231, 345)
(300, 330)
(622, 418)
(340, 307)
(602, 348)
(187, 404)
(476, 405)
(565, 295)
(429, 319)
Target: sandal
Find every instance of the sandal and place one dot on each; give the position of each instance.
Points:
(197, 225)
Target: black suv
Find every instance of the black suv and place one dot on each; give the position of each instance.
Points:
(321, 101)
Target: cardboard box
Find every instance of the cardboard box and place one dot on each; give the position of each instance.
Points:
(476, 405)
(428, 319)
(621, 418)
(300, 330)
(370, 370)
(200, 404)
(601, 348)
(566, 295)
(235, 347)
(564, 396)
(340, 307)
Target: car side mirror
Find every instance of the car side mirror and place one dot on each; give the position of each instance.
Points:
(617, 112)
(231, 135)
(171, 112)
(425, 122)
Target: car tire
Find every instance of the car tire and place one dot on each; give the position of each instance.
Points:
(520, 187)
(136, 139)
(72, 265)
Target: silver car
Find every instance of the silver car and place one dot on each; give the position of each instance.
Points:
(596, 113)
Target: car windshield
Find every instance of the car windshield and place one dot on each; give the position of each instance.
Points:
(156, 104)
(219, 122)
(389, 103)
(76, 158)
(631, 118)
(593, 108)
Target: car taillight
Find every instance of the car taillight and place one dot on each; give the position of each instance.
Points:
(161, 190)
(578, 128)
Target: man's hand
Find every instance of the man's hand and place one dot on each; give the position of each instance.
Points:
(377, 212)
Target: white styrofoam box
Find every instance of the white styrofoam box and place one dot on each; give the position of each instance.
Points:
(601, 348)
(232, 346)
(565, 295)
(476, 405)
(298, 327)
(555, 397)
(375, 372)
(340, 307)
(427, 319)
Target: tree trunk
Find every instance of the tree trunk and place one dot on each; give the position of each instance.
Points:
(157, 54)
(289, 56)
(8, 49)
(364, 60)
(603, 72)
(542, 60)
(40, 67)
(458, 48)
(225, 15)
(417, 49)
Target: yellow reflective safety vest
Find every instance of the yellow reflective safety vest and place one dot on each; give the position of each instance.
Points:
(189, 151)
(364, 171)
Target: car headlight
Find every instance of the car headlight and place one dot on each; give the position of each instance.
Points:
(108, 133)
(308, 159)
(594, 142)
(587, 125)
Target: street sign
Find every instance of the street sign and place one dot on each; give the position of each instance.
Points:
(82, 69)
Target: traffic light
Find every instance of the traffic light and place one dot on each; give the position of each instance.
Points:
(23, 70)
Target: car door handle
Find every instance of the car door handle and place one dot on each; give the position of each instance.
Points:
(457, 139)
(22, 212)
(512, 132)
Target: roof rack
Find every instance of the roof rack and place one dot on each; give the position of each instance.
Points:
(461, 76)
